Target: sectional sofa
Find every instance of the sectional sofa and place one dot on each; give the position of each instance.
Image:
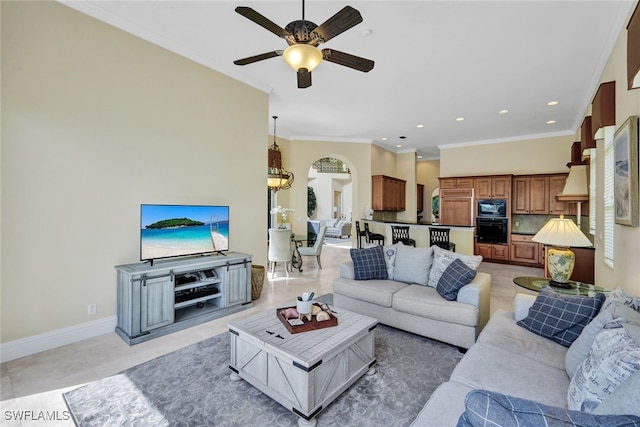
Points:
(513, 376)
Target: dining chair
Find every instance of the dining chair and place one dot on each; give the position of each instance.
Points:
(316, 249)
(279, 249)
(440, 237)
(373, 237)
(400, 233)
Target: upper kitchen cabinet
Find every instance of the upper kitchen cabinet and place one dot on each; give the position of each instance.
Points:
(388, 193)
(530, 195)
(466, 182)
(556, 185)
(492, 187)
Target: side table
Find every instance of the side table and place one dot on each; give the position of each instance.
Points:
(577, 288)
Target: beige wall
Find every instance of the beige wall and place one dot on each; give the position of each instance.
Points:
(626, 270)
(383, 162)
(94, 123)
(406, 169)
(545, 155)
(427, 173)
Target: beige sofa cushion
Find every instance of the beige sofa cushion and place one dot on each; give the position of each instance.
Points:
(378, 292)
(425, 301)
(503, 332)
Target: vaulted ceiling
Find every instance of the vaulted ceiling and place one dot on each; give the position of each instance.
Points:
(435, 62)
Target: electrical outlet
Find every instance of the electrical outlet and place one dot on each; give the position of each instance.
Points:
(92, 309)
(517, 223)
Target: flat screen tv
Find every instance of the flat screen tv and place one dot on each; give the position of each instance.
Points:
(182, 230)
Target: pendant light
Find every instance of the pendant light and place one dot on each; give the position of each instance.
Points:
(277, 177)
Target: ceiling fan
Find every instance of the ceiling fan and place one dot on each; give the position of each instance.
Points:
(304, 37)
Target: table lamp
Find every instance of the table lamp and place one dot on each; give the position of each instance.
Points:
(560, 234)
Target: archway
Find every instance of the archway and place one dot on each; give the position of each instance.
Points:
(329, 180)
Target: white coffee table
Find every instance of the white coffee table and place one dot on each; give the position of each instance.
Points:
(306, 371)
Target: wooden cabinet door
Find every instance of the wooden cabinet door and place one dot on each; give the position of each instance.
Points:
(501, 187)
(456, 211)
(483, 249)
(500, 252)
(235, 280)
(157, 299)
(448, 183)
(556, 185)
(539, 195)
(482, 188)
(524, 252)
(464, 183)
(520, 195)
(401, 188)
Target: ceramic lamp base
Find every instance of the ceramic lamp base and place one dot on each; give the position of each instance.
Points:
(560, 262)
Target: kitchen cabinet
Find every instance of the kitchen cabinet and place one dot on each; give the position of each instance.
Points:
(456, 206)
(530, 195)
(388, 193)
(492, 251)
(466, 182)
(524, 250)
(492, 187)
(556, 185)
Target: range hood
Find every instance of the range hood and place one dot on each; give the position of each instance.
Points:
(575, 188)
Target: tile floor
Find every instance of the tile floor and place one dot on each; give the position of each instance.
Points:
(33, 385)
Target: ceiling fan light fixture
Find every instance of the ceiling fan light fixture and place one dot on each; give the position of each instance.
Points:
(300, 56)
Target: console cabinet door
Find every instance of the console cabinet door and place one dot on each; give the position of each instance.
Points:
(156, 303)
(238, 284)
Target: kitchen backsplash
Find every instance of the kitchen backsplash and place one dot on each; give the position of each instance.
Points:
(531, 224)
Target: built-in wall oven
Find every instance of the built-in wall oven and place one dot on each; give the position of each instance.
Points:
(491, 230)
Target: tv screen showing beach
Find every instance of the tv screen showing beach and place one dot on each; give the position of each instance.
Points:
(180, 230)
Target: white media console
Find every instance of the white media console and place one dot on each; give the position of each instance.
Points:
(176, 294)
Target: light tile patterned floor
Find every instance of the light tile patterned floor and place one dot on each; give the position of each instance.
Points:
(35, 383)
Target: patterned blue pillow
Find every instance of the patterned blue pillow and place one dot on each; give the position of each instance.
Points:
(487, 408)
(368, 263)
(457, 275)
(561, 317)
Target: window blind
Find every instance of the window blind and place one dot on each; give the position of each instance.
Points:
(609, 206)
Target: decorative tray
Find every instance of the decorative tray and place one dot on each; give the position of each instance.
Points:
(307, 325)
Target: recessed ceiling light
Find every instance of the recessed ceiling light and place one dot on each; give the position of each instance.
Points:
(384, 138)
(419, 156)
(460, 119)
(419, 126)
(503, 111)
(550, 122)
(552, 103)
(398, 145)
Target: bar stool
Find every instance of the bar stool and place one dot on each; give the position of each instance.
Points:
(373, 237)
(440, 237)
(359, 235)
(400, 233)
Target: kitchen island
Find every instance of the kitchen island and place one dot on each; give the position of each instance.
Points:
(463, 237)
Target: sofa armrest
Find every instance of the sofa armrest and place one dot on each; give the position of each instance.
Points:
(347, 271)
(478, 294)
(521, 305)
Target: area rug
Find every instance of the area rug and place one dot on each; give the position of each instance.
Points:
(191, 387)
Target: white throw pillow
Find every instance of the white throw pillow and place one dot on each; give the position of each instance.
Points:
(441, 260)
(389, 252)
(614, 356)
(412, 264)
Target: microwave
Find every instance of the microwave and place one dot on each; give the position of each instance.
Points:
(496, 208)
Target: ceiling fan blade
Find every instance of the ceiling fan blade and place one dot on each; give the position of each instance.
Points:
(256, 58)
(304, 78)
(254, 16)
(340, 22)
(348, 60)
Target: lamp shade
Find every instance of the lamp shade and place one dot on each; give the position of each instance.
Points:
(300, 56)
(561, 232)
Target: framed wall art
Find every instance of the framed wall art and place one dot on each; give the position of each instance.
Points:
(626, 172)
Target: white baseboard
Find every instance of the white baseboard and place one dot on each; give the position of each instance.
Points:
(35, 344)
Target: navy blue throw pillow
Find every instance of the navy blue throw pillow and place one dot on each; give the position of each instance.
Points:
(368, 263)
(487, 408)
(561, 318)
(457, 275)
